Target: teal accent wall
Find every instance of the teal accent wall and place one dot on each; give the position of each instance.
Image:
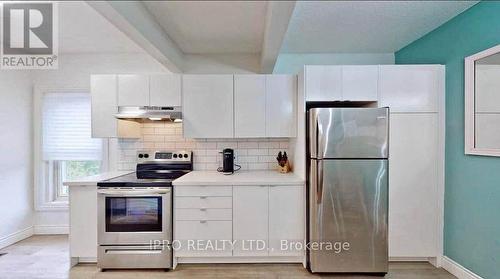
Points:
(293, 63)
(472, 191)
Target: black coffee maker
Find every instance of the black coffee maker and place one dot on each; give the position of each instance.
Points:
(228, 161)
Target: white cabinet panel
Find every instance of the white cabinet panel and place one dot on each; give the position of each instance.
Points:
(207, 106)
(286, 218)
(323, 83)
(164, 90)
(204, 191)
(413, 185)
(198, 214)
(203, 202)
(360, 83)
(83, 221)
(103, 90)
(410, 88)
(250, 219)
(487, 130)
(281, 108)
(133, 90)
(203, 232)
(249, 106)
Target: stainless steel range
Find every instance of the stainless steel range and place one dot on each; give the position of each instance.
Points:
(135, 210)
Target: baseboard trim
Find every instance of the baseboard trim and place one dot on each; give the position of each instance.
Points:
(458, 270)
(51, 229)
(230, 259)
(15, 237)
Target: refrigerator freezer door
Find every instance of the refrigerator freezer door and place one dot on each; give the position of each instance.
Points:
(348, 132)
(348, 211)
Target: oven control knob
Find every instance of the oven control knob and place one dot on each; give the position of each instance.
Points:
(146, 156)
(180, 155)
(140, 156)
(175, 155)
(185, 155)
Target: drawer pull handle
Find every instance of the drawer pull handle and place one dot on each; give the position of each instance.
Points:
(203, 221)
(203, 209)
(203, 197)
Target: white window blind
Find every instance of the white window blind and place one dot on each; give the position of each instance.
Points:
(66, 128)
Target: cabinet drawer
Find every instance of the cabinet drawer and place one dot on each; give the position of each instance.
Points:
(200, 191)
(204, 214)
(195, 235)
(203, 202)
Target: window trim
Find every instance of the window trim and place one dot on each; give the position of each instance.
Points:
(45, 199)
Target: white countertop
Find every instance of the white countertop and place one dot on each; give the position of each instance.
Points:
(214, 178)
(92, 180)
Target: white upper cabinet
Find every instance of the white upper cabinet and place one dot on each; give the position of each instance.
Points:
(281, 105)
(249, 106)
(133, 90)
(164, 90)
(323, 83)
(207, 106)
(103, 89)
(411, 88)
(104, 94)
(360, 83)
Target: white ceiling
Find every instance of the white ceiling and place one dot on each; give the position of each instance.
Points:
(83, 30)
(364, 26)
(215, 27)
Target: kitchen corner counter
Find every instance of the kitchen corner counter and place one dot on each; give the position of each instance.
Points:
(239, 178)
(92, 180)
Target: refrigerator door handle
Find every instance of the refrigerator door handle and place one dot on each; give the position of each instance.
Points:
(319, 188)
(314, 132)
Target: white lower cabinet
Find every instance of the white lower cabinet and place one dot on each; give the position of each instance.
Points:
(255, 218)
(250, 220)
(413, 185)
(204, 238)
(83, 222)
(286, 220)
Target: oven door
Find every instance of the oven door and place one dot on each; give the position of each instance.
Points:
(134, 216)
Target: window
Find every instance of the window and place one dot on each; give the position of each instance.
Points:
(68, 151)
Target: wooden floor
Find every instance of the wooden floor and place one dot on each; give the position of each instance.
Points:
(47, 257)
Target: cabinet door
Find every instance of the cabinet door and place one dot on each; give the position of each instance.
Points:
(281, 105)
(133, 90)
(250, 220)
(286, 219)
(83, 221)
(103, 89)
(323, 83)
(208, 238)
(413, 183)
(164, 90)
(207, 106)
(410, 88)
(249, 106)
(360, 83)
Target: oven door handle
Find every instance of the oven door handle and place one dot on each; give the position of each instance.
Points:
(132, 192)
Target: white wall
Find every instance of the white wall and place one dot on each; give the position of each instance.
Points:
(74, 73)
(16, 174)
(221, 64)
(292, 63)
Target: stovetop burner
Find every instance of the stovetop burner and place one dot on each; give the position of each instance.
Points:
(155, 169)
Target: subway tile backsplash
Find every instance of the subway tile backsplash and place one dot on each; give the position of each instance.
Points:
(251, 154)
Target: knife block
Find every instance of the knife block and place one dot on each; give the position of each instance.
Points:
(285, 168)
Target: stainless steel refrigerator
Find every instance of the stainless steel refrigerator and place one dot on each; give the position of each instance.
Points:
(348, 189)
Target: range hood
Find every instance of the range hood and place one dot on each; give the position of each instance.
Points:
(151, 113)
